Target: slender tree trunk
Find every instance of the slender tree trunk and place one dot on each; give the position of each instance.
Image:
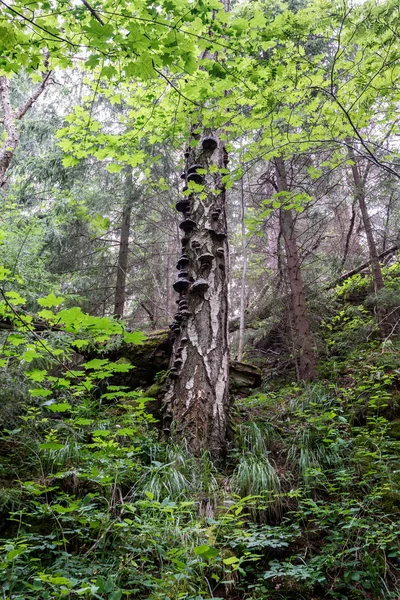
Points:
(302, 339)
(168, 280)
(349, 234)
(387, 222)
(359, 192)
(122, 265)
(244, 271)
(196, 401)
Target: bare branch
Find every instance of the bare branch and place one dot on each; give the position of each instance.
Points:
(10, 118)
(32, 99)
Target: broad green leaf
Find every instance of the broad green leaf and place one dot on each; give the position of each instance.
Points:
(40, 392)
(62, 407)
(50, 300)
(51, 446)
(231, 560)
(134, 337)
(96, 364)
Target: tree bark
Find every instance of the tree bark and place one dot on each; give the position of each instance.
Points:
(243, 282)
(303, 343)
(359, 193)
(196, 401)
(387, 222)
(122, 265)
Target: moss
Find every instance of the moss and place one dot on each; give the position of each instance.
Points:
(393, 429)
(153, 391)
(391, 502)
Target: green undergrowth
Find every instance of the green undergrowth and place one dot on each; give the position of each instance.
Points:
(93, 505)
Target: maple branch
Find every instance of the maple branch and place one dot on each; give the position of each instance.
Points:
(93, 12)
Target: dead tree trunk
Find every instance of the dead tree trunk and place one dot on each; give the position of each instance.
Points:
(122, 265)
(303, 343)
(196, 401)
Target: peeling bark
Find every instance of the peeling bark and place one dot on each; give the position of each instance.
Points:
(196, 401)
(302, 340)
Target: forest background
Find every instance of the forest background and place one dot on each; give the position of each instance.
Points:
(253, 147)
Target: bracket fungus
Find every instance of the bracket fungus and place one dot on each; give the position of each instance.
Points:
(187, 225)
(182, 205)
(193, 175)
(181, 285)
(206, 259)
(193, 168)
(200, 286)
(182, 262)
(209, 143)
(196, 178)
(220, 252)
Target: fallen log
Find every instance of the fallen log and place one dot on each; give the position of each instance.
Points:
(152, 357)
(149, 358)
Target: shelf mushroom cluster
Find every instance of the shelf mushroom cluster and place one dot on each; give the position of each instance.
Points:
(186, 284)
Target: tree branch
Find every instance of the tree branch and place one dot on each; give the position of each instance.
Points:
(345, 276)
(10, 119)
(93, 12)
(35, 95)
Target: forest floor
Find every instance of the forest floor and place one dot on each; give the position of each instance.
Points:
(306, 505)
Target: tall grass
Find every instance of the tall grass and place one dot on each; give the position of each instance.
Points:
(176, 474)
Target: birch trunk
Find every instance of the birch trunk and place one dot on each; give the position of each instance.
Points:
(196, 401)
